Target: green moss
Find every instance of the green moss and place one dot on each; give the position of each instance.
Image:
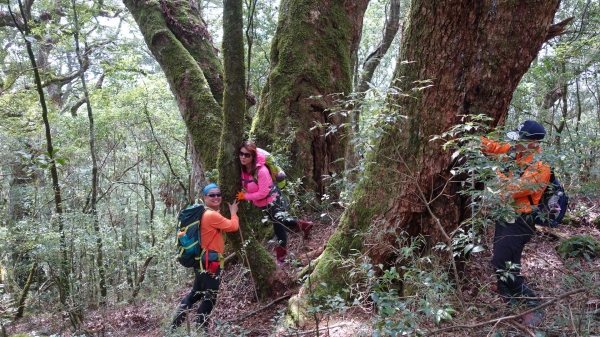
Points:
(310, 57)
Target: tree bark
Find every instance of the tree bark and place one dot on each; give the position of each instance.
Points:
(310, 71)
(185, 21)
(170, 40)
(261, 264)
(25, 291)
(465, 57)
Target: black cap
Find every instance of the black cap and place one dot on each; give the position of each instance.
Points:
(528, 130)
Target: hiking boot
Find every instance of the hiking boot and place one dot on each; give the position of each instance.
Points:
(508, 298)
(533, 318)
(179, 317)
(529, 296)
(505, 293)
(305, 227)
(280, 254)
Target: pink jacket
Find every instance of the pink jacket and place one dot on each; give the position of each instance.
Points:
(258, 191)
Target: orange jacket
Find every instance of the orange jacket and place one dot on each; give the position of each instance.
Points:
(213, 223)
(531, 184)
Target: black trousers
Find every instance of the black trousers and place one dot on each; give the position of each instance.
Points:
(509, 241)
(276, 212)
(205, 288)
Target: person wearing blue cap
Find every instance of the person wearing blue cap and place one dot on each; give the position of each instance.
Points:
(206, 280)
(523, 187)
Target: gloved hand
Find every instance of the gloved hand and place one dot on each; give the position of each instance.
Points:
(240, 195)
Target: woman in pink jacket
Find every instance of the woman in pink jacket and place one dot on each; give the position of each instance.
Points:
(259, 188)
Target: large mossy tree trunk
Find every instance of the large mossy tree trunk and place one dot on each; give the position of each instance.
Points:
(310, 70)
(467, 57)
(179, 41)
(181, 44)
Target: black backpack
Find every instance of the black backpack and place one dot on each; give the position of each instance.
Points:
(554, 203)
(188, 235)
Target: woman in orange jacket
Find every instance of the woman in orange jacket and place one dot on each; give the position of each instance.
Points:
(524, 186)
(207, 281)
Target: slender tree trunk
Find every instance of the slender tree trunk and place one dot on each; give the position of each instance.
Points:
(390, 29)
(261, 263)
(63, 284)
(465, 57)
(25, 291)
(94, 193)
(139, 279)
(310, 70)
(564, 106)
(392, 24)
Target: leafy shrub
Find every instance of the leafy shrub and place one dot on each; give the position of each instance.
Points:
(570, 220)
(579, 246)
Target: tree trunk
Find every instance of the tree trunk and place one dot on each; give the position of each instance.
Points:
(172, 32)
(472, 55)
(310, 71)
(94, 191)
(63, 285)
(25, 291)
(260, 262)
(370, 64)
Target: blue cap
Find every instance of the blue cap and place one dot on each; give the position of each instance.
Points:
(530, 130)
(208, 188)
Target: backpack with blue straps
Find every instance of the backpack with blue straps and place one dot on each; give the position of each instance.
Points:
(188, 236)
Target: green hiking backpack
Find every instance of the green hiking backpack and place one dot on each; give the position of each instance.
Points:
(188, 235)
(277, 174)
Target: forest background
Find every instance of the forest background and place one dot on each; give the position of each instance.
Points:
(115, 114)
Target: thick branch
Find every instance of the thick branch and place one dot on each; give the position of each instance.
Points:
(558, 29)
(62, 80)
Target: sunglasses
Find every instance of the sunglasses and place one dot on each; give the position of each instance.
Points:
(214, 195)
(245, 154)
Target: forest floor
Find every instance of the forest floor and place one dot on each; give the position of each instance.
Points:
(240, 315)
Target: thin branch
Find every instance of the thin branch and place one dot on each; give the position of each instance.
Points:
(167, 158)
(300, 333)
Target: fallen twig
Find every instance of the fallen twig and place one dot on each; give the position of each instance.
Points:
(299, 333)
(507, 318)
(523, 328)
(259, 309)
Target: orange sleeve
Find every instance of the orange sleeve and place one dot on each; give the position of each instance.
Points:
(492, 146)
(532, 182)
(212, 225)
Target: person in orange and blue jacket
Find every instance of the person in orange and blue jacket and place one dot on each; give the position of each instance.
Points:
(207, 281)
(524, 186)
(259, 188)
